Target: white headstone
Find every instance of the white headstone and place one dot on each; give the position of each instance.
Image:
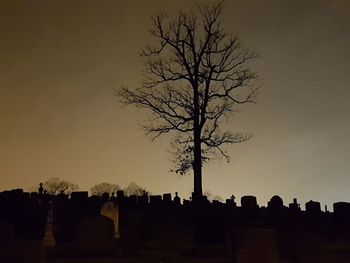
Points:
(110, 210)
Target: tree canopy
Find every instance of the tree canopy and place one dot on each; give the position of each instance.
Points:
(55, 186)
(102, 188)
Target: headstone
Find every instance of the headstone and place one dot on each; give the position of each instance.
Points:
(294, 206)
(120, 194)
(49, 238)
(111, 211)
(16, 194)
(155, 199)
(143, 199)
(275, 203)
(41, 189)
(34, 195)
(249, 202)
(313, 207)
(186, 202)
(231, 201)
(341, 209)
(256, 245)
(113, 198)
(167, 199)
(132, 200)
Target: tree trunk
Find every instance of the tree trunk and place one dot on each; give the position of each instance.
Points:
(197, 152)
(197, 165)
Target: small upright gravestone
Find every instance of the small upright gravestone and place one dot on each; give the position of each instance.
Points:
(249, 202)
(167, 199)
(155, 200)
(313, 207)
(110, 210)
(120, 194)
(294, 206)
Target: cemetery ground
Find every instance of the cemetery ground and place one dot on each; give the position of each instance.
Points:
(39, 228)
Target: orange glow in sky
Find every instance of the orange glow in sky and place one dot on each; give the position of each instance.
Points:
(60, 62)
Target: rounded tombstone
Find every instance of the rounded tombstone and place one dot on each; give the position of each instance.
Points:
(110, 210)
(341, 209)
(275, 203)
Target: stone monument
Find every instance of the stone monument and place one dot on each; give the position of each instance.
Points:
(110, 210)
(49, 238)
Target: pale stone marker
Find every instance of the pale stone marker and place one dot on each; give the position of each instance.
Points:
(49, 238)
(110, 210)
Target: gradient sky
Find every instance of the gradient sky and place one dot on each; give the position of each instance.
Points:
(60, 62)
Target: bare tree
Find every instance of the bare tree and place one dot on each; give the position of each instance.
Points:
(55, 185)
(211, 197)
(134, 189)
(195, 76)
(102, 188)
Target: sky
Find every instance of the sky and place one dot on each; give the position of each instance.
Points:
(61, 61)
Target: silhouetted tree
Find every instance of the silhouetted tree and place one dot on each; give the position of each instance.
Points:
(134, 189)
(195, 76)
(102, 188)
(212, 197)
(55, 186)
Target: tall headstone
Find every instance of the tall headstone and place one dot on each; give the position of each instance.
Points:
(120, 194)
(313, 207)
(231, 201)
(41, 189)
(167, 199)
(49, 238)
(110, 210)
(294, 206)
(341, 209)
(155, 199)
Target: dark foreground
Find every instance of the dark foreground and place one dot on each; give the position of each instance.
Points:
(57, 229)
